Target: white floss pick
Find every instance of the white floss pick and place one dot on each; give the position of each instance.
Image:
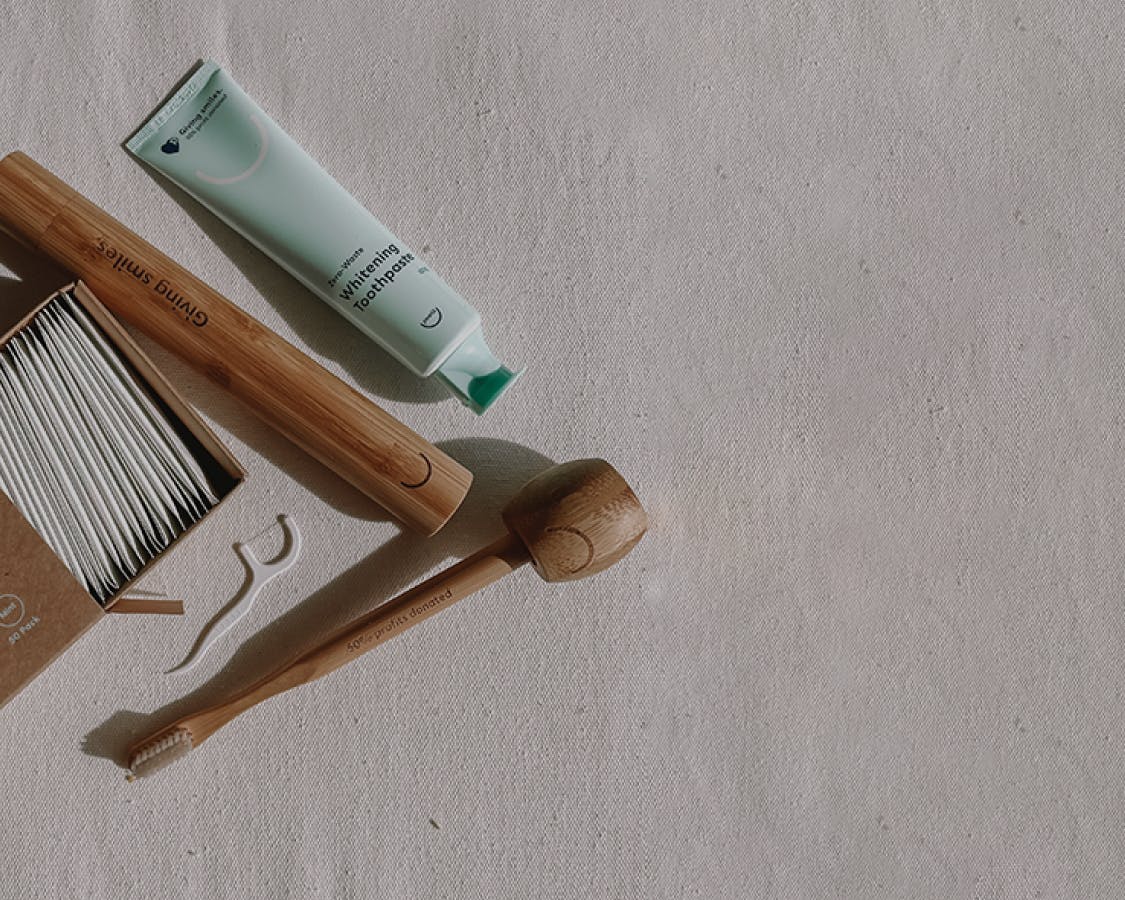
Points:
(261, 574)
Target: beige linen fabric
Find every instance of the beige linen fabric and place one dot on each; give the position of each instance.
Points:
(837, 286)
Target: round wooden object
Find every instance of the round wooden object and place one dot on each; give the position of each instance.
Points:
(576, 519)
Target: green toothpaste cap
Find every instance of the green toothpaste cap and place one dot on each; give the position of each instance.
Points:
(474, 376)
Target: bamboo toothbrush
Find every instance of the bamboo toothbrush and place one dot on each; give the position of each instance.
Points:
(571, 521)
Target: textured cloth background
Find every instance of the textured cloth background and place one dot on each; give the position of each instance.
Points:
(838, 287)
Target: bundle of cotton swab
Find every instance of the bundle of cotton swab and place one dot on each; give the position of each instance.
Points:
(87, 455)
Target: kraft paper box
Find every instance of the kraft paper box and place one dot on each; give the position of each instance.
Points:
(43, 607)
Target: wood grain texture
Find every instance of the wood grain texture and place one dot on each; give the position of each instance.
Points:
(577, 519)
(330, 420)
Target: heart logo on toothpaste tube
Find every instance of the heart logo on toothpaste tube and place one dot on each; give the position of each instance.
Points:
(172, 145)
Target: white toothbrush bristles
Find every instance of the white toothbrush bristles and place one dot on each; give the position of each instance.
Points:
(157, 754)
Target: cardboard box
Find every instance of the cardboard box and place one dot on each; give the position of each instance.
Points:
(43, 607)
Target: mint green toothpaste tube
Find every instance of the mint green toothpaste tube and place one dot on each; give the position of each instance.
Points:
(217, 144)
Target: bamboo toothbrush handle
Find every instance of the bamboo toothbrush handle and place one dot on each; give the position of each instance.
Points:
(381, 624)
